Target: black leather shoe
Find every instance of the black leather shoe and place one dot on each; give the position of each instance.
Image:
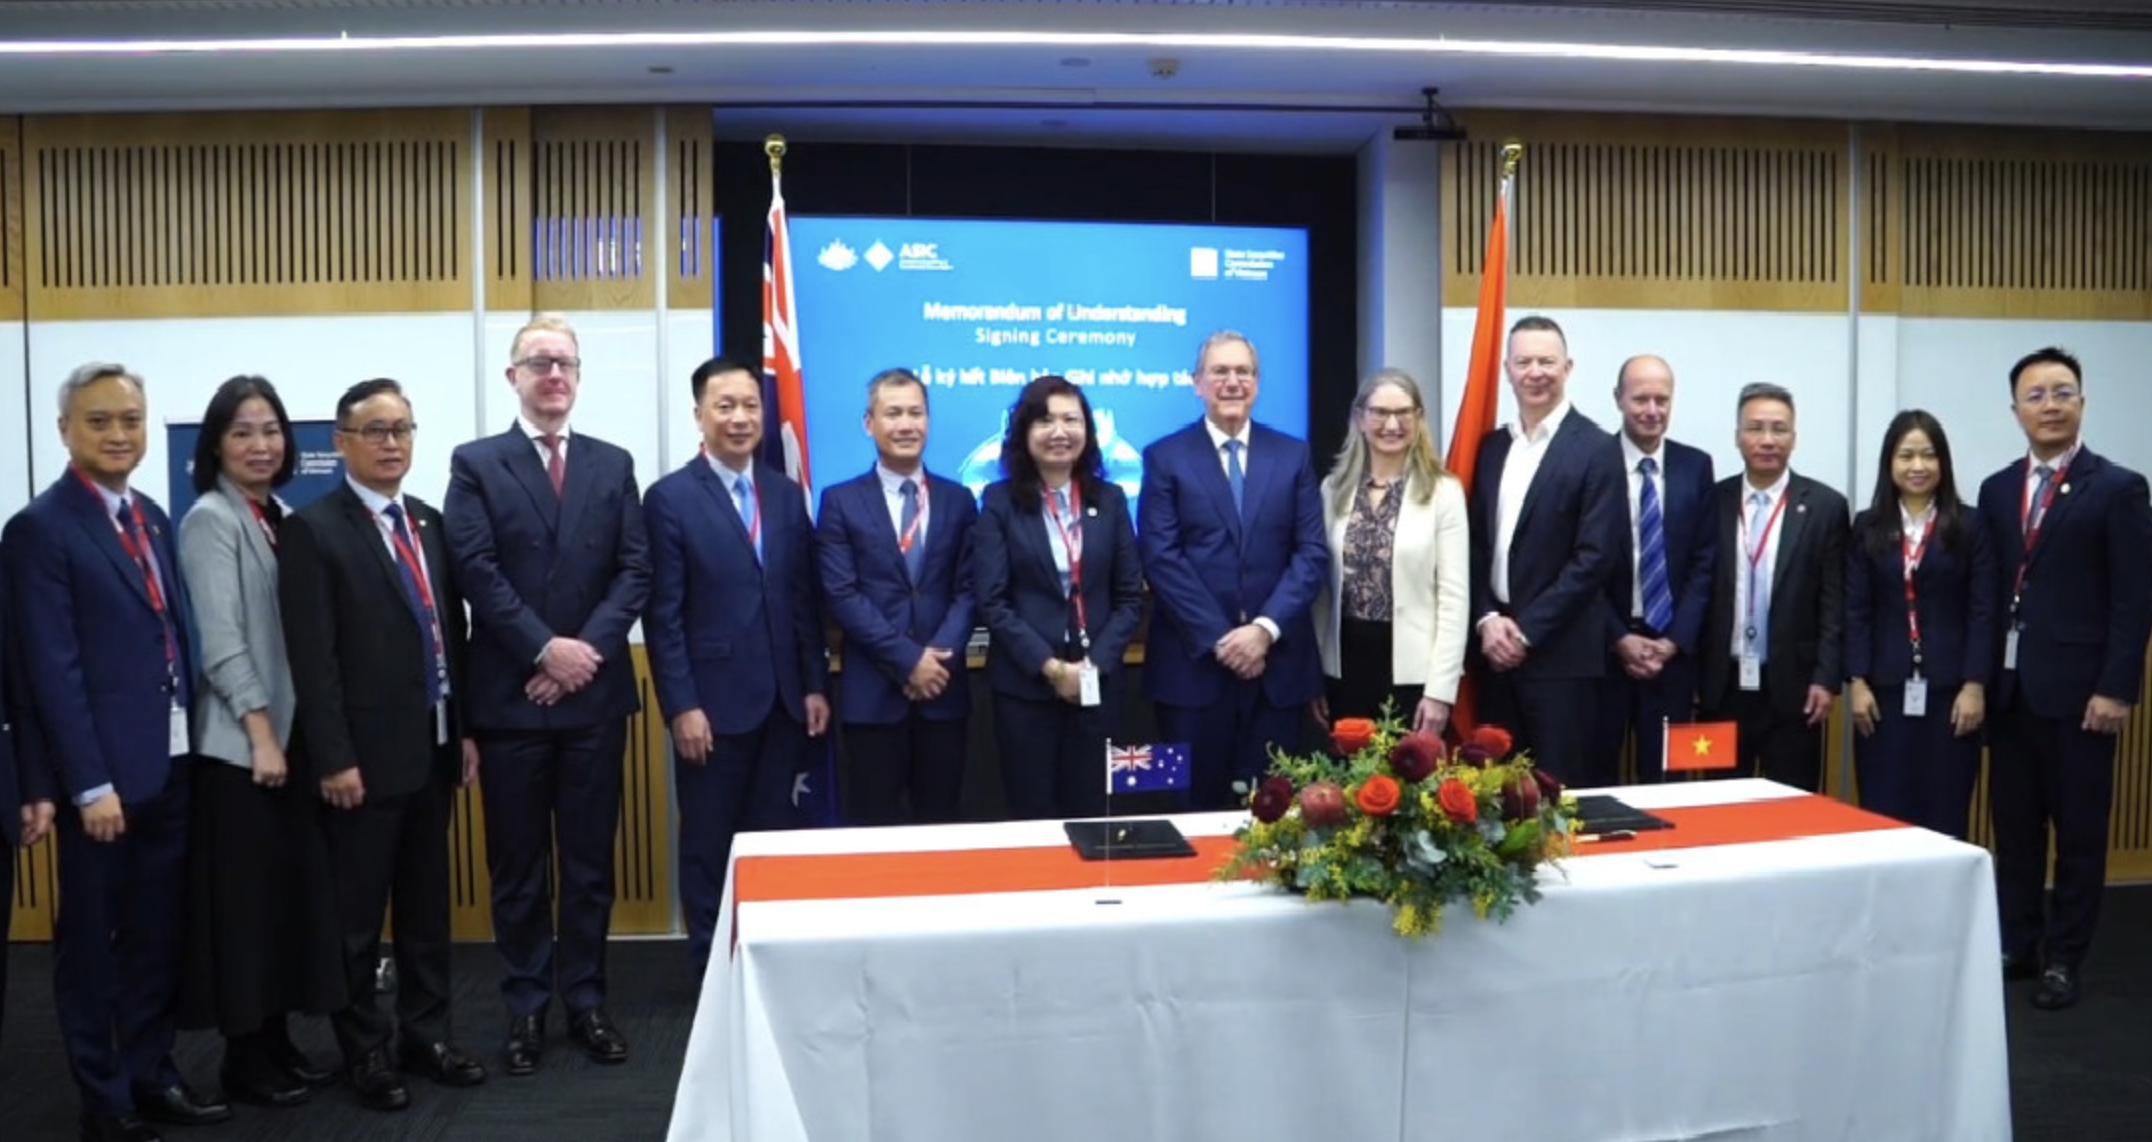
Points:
(252, 1077)
(593, 1031)
(177, 1105)
(288, 1058)
(2017, 968)
(117, 1128)
(524, 1048)
(2058, 989)
(376, 1082)
(442, 1063)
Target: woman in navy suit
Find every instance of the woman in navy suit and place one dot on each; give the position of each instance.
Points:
(1920, 618)
(1060, 588)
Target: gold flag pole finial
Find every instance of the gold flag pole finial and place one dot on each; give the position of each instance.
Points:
(774, 146)
(1512, 153)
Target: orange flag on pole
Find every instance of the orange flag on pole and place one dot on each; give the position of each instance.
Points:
(1483, 377)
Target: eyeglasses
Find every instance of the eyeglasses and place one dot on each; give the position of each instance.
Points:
(2060, 394)
(1232, 372)
(544, 365)
(1380, 416)
(380, 434)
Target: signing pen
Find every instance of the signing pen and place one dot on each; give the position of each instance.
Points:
(1615, 835)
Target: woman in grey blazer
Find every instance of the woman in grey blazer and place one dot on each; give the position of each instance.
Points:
(261, 940)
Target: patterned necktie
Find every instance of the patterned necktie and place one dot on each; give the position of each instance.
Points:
(145, 558)
(556, 465)
(1234, 477)
(915, 554)
(1651, 552)
(2046, 472)
(743, 500)
(1759, 575)
(421, 609)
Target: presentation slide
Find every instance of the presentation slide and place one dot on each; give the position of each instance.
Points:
(978, 308)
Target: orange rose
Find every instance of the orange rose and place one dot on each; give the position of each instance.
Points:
(1457, 801)
(1495, 739)
(1351, 735)
(1378, 796)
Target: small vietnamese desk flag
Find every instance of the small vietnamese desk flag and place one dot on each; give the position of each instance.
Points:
(1701, 745)
(1146, 768)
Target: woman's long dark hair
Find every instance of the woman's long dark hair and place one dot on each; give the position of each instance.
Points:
(217, 420)
(1882, 533)
(1016, 461)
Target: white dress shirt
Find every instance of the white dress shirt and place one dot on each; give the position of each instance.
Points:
(535, 433)
(893, 499)
(1526, 452)
(1631, 456)
(1766, 564)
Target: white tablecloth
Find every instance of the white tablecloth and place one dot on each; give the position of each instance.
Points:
(1842, 987)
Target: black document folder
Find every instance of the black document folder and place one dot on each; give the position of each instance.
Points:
(1601, 814)
(1135, 839)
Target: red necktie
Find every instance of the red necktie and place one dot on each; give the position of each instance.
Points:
(556, 466)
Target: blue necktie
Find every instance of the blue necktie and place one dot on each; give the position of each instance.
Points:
(743, 500)
(915, 556)
(1651, 554)
(1759, 575)
(1234, 477)
(436, 670)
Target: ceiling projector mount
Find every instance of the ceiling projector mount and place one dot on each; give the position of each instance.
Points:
(1436, 125)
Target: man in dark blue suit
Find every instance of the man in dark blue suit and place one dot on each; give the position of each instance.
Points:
(1550, 550)
(1231, 530)
(25, 796)
(890, 546)
(735, 639)
(1651, 679)
(2073, 537)
(545, 527)
(100, 612)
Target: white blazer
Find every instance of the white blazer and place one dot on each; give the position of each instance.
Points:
(1428, 589)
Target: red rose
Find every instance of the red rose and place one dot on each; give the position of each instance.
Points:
(1494, 739)
(1415, 756)
(1378, 796)
(1550, 786)
(1474, 754)
(1520, 799)
(1457, 801)
(1322, 805)
(1272, 798)
(1351, 735)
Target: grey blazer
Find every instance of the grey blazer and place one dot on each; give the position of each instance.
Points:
(230, 567)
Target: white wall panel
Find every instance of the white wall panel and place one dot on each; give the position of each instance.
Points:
(618, 399)
(19, 410)
(1960, 371)
(690, 339)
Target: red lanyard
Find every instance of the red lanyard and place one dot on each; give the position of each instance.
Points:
(1911, 553)
(137, 546)
(1755, 555)
(418, 575)
(1071, 531)
(2031, 522)
(910, 535)
(261, 520)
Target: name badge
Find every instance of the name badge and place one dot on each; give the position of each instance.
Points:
(1751, 672)
(1916, 697)
(2010, 649)
(175, 737)
(1087, 683)
(440, 722)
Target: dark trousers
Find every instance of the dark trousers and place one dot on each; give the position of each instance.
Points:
(1229, 741)
(744, 785)
(1551, 717)
(552, 796)
(7, 917)
(1916, 769)
(1645, 707)
(2048, 773)
(917, 757)
(116, 948)
(390, 855)
(1774, 743)
(1053, 753)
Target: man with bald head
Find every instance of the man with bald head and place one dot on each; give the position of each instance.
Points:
(1651, 679)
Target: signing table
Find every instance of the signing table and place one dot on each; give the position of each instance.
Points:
(1778, 966)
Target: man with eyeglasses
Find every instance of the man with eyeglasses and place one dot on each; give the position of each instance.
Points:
(1774, 647)
(1231, 532)
(375, 630)
(546, 527)
(2073, 535)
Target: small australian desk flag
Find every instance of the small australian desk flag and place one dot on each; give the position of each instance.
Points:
(1146, 768)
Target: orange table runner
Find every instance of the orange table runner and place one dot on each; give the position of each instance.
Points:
(853, 876)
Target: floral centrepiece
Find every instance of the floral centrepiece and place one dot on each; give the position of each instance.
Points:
(1400, 817)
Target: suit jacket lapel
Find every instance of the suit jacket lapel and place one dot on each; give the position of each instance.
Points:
(1792, 532)
(578, 488)
(1210, 472)
(520, 457)
(720, 501)
(105, 537)
(367, 534)
(2082, 470)
(256, 541)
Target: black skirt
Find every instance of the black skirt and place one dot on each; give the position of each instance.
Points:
(262, 937)
(1364, 658)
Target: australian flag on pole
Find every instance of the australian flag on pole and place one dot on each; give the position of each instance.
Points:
(1146, 768)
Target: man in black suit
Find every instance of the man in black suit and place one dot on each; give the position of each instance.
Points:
(546, 526)
(1774, 645)
(1550, 548)
(26, 808)
(375, 630)
(1674, 543)
(2073, 538)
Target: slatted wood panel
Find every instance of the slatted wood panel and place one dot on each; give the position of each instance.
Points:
(1634, 212)
(11, 237)
(505, 150)
(37, 883)
(690, 209)
(246, 214)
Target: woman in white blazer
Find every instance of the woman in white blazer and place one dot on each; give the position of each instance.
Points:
(1392, 623)
(261, 934)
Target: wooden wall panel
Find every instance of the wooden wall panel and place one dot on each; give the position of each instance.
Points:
(690, 210)
(11, 237)
(246, 214)
(37, 882)
(1660, 213)
(593, 204)
(505, 147)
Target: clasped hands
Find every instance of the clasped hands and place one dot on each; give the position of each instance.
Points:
(1244, 650)
(929, 676)
(1643, 658)
(566, 666)
(1502, 642)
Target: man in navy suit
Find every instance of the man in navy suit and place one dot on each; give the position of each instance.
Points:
(1231, 530)
(1550, 549)
(2073, 537)
(890, 545)
(100, 612)
(735, 639)
(545, 527)
(26, 808)
(1655, 630)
